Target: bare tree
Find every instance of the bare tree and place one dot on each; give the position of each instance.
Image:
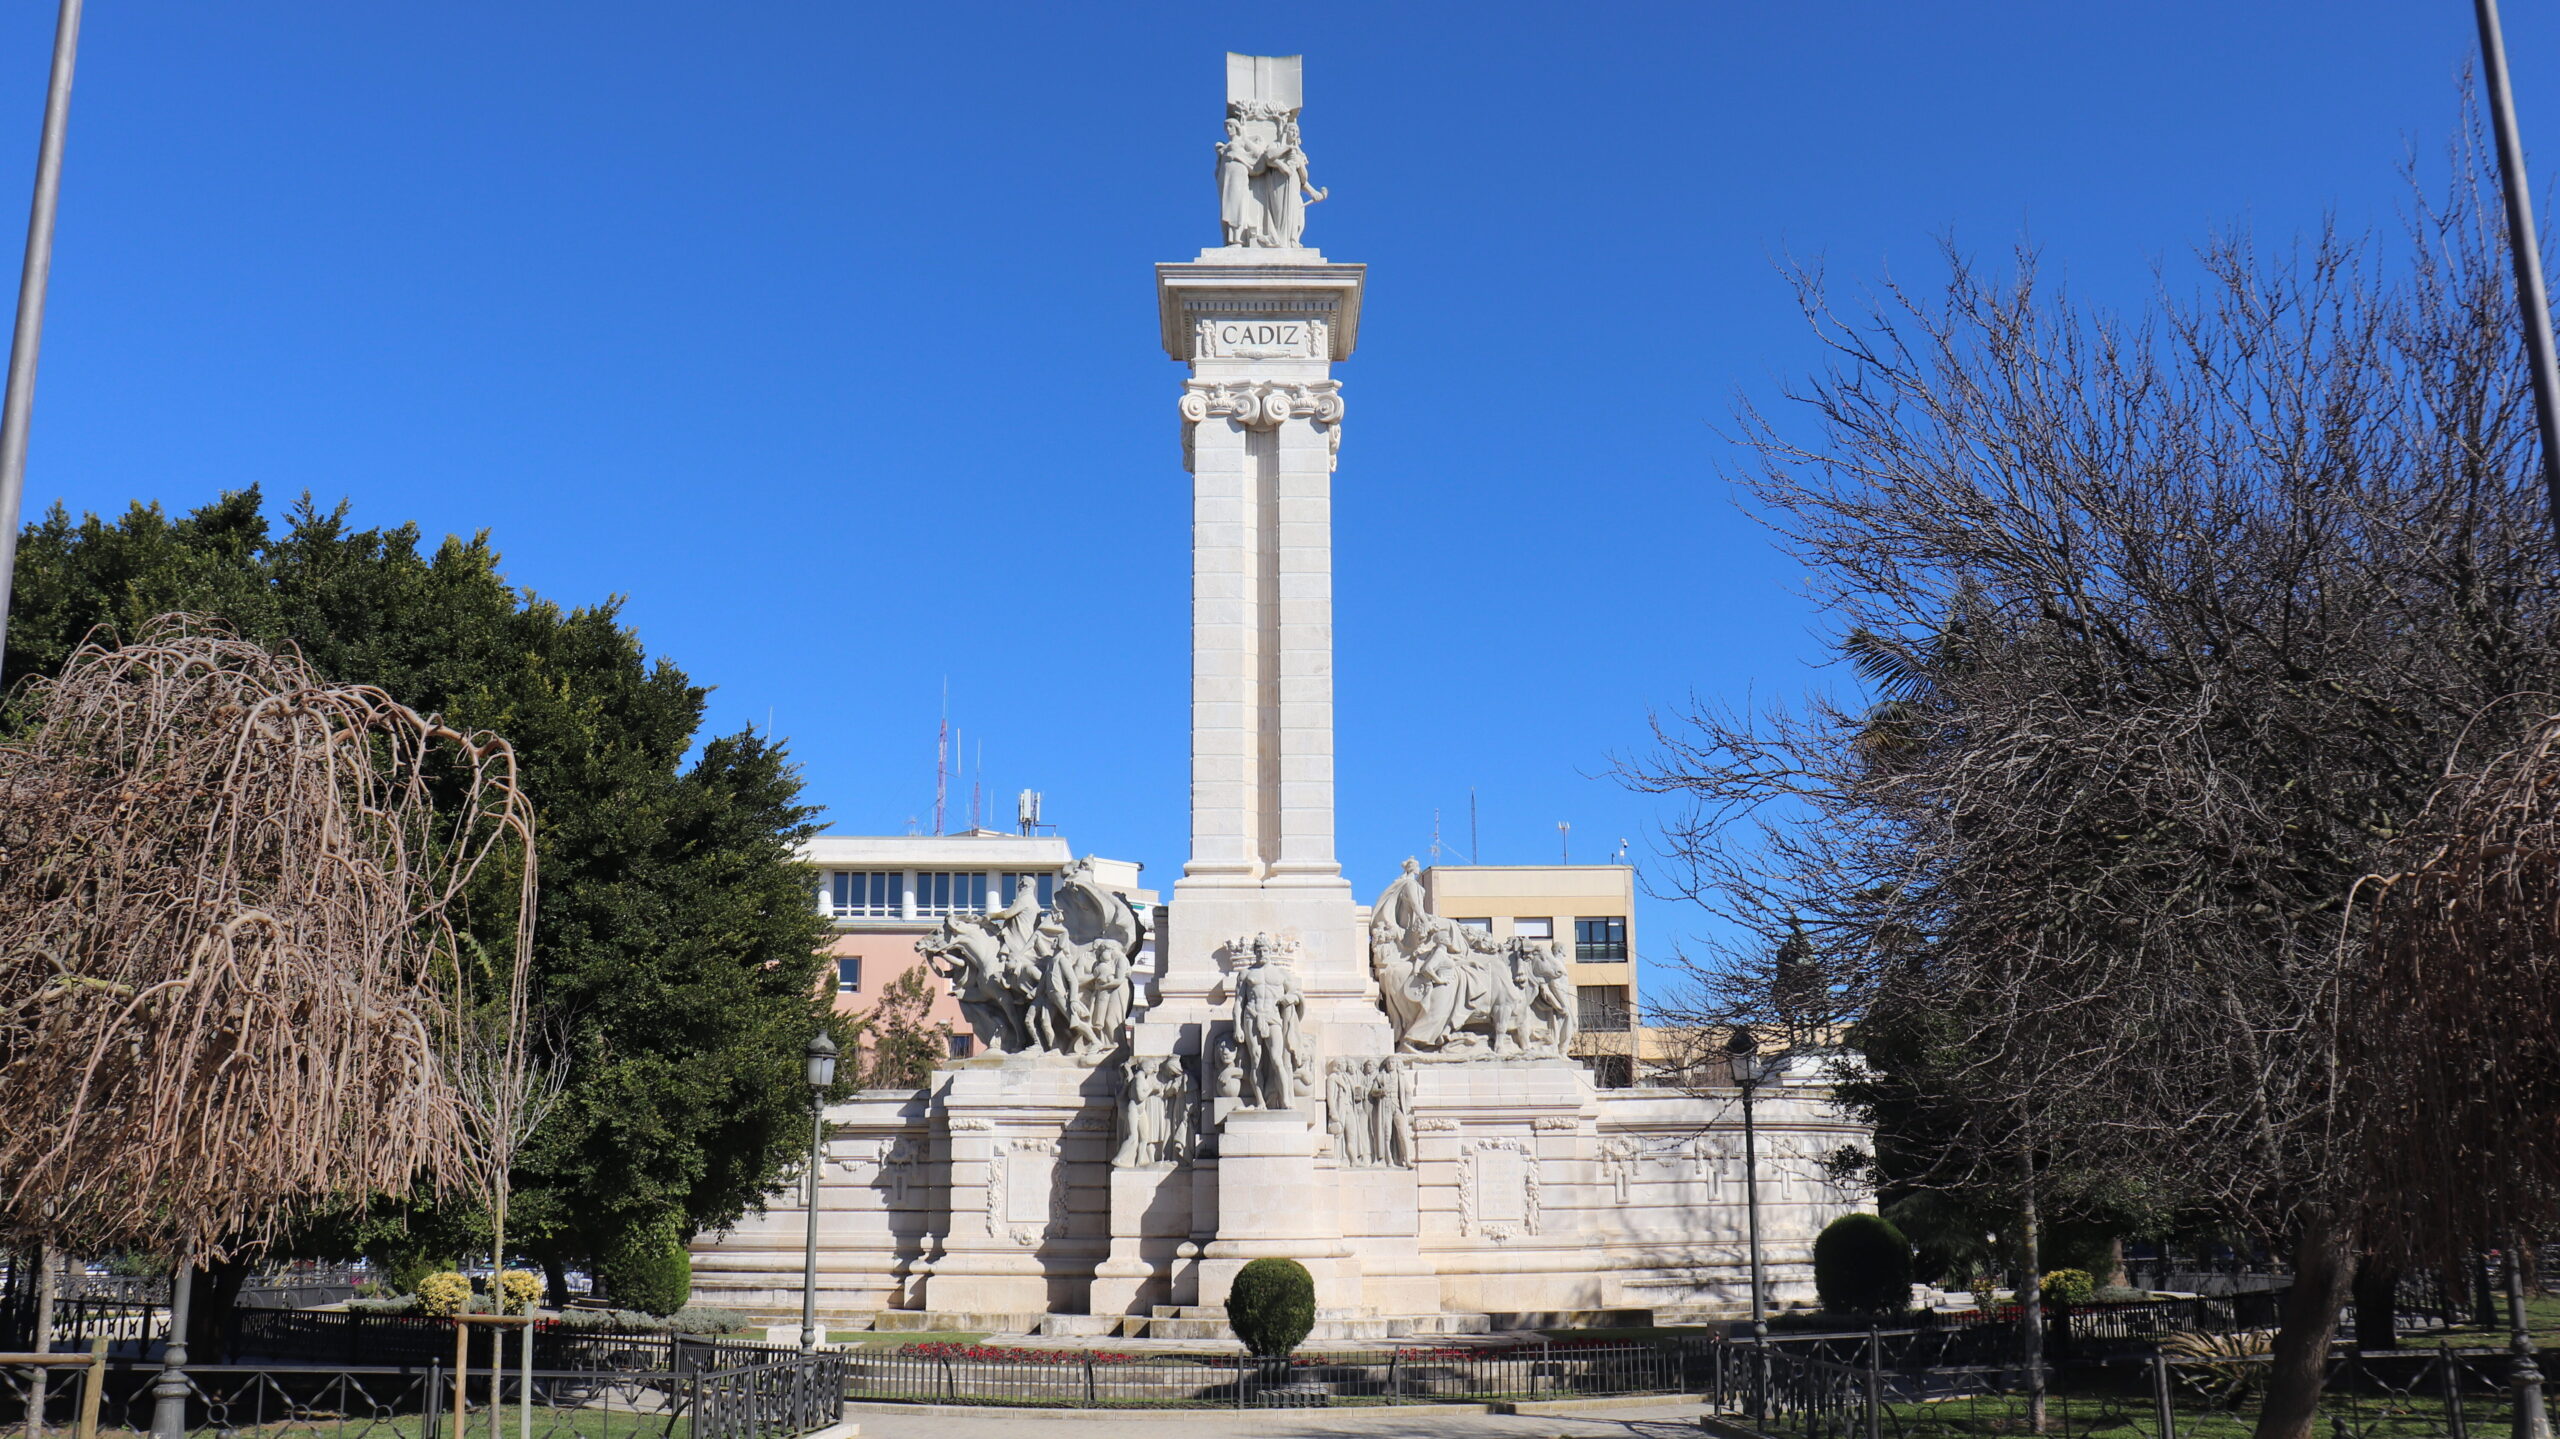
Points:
(230, 982)
(2173, 626)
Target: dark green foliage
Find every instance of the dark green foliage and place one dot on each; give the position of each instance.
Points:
(403, 1273)
(675, 953)
(901, 1048)
(647, 1270)
(1272, 1306)
(1862, 1265)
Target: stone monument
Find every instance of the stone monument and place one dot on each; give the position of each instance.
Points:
(1385, 1096)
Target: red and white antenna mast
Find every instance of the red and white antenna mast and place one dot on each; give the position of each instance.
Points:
(942, 760)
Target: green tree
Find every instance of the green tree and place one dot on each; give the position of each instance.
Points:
(902, 1047)
(676, 950)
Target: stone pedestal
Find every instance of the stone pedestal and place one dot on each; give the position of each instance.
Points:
(1029, 1138)
(1275, 1202)
(1150, 1221)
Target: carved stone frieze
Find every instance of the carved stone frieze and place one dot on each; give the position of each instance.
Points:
(1618, 1154)
(1262, 404)
(1555, 1122)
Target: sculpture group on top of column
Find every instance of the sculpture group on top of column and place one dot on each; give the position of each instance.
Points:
(1450, 989)
(1263, 189)
(1274, 1061)
(1034, 979)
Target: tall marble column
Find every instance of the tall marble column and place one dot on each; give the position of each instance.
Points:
(1261, 418)
(1260, 322)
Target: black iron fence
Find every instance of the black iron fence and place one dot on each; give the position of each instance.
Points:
(976, 1374)
(2438, 1393)
(777, 1398)
(2092, 1331)
(409, 1340)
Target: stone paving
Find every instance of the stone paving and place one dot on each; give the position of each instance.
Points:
(890, 1421)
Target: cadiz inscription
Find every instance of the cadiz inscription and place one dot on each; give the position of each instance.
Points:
(1267, 339)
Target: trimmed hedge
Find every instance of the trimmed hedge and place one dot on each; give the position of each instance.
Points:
(1272, 1306)
(1862, 1265)
(648, 1271)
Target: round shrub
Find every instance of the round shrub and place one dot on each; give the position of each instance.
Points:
(1272, 1306)
(517, 1291)
(444, 1295)
(1862, 1265)
(2069, 1286)
(648, 1271)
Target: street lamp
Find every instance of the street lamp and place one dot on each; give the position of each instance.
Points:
(2532, 1421)
(822, 1077)
(1742, 1054)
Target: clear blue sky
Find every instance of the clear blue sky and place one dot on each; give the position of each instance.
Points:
(825, 332)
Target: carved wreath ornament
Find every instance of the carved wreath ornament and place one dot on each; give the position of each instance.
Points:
(1495, 1220)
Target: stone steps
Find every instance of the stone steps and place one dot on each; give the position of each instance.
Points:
(1337, 1326)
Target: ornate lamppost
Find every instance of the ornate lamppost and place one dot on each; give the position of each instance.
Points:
(1742, 1055)
(822, 1077)
(2532, 1421)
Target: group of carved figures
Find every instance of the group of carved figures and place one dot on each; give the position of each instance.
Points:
(1368, 1107)
(1263, 191)
(1451, 989)
(1029, 978)
(1156, 1107)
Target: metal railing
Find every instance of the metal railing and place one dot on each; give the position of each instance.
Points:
(779, 1398)
(2438, 1393)
(977, 1374)
(352, 1338)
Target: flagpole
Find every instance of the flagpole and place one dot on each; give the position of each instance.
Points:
(19, 402)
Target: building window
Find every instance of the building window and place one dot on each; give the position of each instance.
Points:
(1600, 941)
(963, 1045)
(941, 892)
(864, 894)
(1534, 928)
(1611, 1071)
(1480, 926)
(1604, 1008)
(1013, 886)
(849, 974)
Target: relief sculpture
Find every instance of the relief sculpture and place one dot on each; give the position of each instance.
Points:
(1369, 1112)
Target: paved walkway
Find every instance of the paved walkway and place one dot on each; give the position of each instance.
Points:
(890, 1421)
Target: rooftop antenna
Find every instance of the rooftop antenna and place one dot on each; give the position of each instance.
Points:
(1564, 838)
(1435, 835)
(976, 814)
(1475, 851)
(1026, 809)
(942, 757)
(1621, 857)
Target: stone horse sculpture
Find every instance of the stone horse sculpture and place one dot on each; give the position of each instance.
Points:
(1032, 979)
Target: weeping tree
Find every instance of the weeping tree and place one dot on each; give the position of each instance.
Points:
(2172, 626)
(2455, 1056)
(232, 990)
